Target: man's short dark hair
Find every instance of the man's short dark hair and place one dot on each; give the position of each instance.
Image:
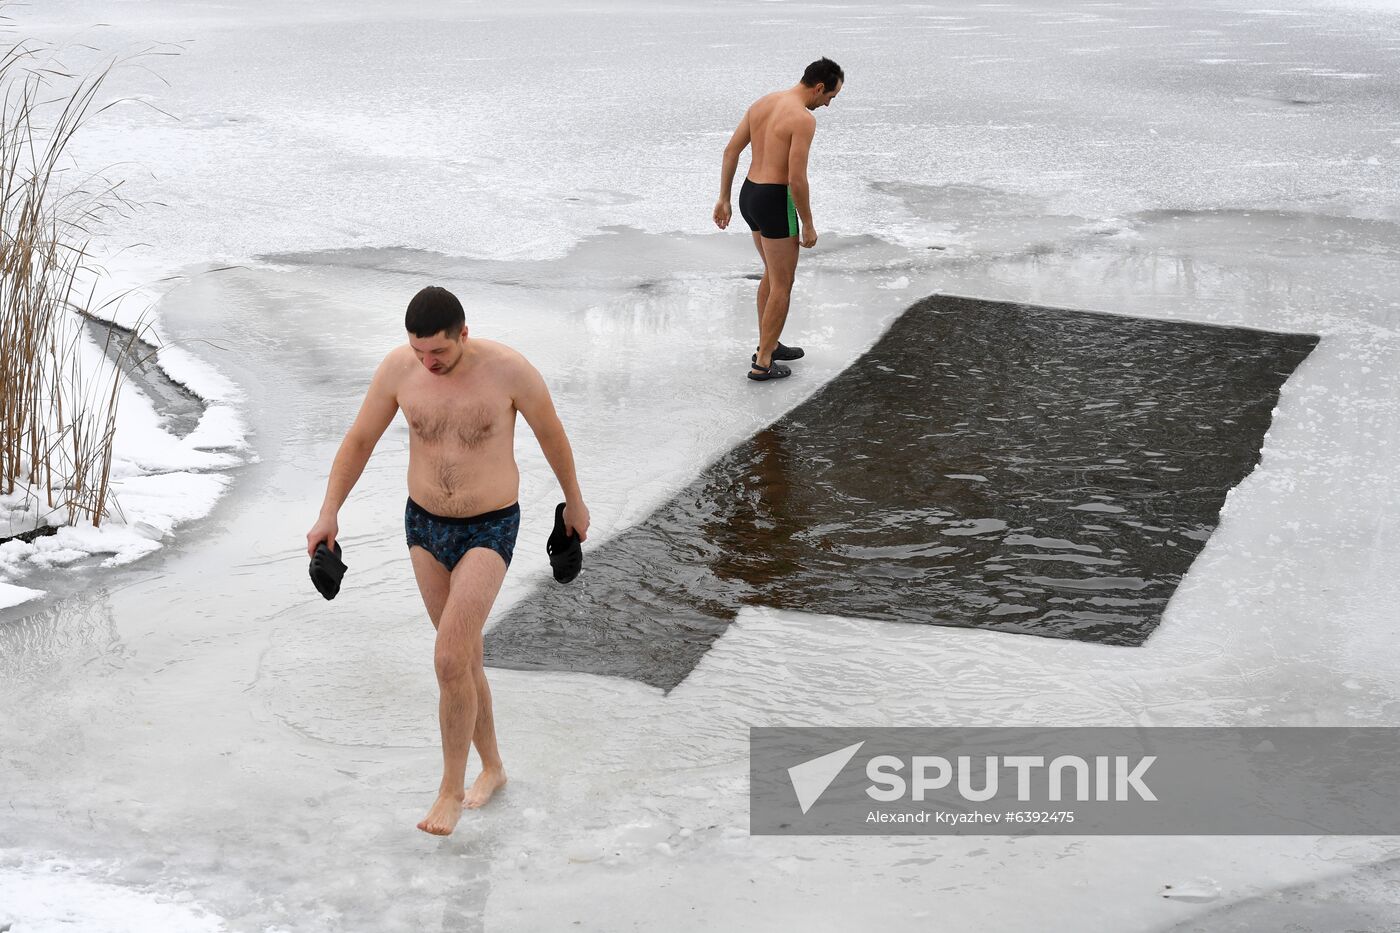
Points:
(434, 310)
(823, 71)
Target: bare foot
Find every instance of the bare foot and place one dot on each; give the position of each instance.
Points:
(486, 784)
(442, 818)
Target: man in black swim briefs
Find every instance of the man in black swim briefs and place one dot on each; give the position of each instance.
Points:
(774, 200)
(459, 396)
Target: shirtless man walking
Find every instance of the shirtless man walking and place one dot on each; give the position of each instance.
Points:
(775, 197)
(459, 396)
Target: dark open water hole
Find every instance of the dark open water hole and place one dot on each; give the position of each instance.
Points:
(1008, 467)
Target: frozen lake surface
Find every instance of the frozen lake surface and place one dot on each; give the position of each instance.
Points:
(200, 740)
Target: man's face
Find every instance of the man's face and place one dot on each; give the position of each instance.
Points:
(826, 97)
(439, 353)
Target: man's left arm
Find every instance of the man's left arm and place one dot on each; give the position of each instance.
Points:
(532, 400)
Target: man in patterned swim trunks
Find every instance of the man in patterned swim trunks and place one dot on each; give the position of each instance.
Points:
(460, 396)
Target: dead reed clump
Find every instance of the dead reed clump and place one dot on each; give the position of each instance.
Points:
(58, 394)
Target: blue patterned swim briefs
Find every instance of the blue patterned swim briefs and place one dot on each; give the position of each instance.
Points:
(449, 538)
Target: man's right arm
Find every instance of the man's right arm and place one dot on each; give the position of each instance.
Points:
(737, 144)
(798, 151)
(377, 411)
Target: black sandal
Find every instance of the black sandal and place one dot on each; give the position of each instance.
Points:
(565, 552)
(327, 570)
(771, 371)
(787, 354)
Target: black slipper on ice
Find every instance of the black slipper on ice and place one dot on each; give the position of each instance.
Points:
(772, 371)
(565, 552)
(327, 570)
(787, 354)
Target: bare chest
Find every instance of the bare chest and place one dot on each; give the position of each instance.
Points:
(464, 419)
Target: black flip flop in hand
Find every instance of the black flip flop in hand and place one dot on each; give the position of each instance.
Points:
(564, 550)
(327, 570)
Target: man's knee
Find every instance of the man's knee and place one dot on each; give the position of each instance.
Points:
(781, 276)
(456, 664)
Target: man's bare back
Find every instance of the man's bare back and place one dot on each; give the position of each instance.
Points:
(774, 119)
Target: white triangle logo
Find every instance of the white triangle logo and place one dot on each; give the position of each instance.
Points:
(811, 778)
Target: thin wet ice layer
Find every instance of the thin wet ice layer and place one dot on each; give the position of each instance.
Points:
(135, 356)
(1349, 900)
(990, 465)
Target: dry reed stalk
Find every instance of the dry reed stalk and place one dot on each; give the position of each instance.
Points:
(57, 410)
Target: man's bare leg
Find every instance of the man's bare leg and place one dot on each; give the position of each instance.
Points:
(493, 773)
(762, 283)
(434, 582)
(780, 265)
(458, 605)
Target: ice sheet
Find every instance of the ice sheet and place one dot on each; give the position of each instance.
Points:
(1085, 109)
(204, 726)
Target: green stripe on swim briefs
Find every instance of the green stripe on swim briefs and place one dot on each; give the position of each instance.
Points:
(792, 215)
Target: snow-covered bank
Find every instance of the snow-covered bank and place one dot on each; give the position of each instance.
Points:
(159, 479)
(58, 897)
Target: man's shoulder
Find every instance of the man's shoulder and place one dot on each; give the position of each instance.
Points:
(396, 361)
(500, 356)
(494, 349)
(507, 368)
(765, 103)
(801, 116)
(789, 115)
(389, 376)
